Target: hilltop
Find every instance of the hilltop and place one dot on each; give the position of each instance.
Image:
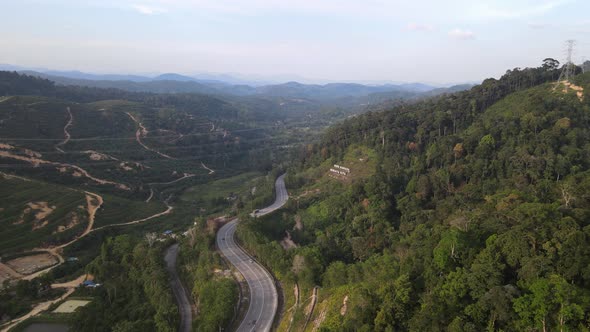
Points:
(176, 83)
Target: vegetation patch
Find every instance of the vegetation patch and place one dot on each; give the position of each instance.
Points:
(70, 306)
(35, 214)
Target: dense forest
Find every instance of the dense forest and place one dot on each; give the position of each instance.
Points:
(465, 212)
(135, 296)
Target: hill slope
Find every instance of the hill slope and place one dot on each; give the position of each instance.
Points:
(475, 215)
(137, 153)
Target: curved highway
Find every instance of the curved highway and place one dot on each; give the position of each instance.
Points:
(281, 197)
(264, 299)
(184, 305)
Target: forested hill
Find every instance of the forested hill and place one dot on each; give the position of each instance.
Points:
(13, 83)
(468, 212)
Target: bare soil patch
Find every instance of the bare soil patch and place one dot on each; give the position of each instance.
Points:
(72, 219)
(344, 307)
(577, 89)
(287, 243)
(96, 156)
(40, 209)
(6, 273)
(31, 264)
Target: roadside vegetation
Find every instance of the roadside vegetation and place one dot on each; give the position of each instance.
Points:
(208, 277)
(135, 293)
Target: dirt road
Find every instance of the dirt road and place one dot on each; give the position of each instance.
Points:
(66, 133)
(207, 168)
(142, 132)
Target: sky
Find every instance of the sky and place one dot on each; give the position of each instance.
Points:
(434, 41)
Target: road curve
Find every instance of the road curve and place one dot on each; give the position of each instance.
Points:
(264, 300)
(281, 198)
(263, 293)
(184, 305)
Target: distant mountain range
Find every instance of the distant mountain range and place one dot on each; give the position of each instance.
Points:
(176, 83)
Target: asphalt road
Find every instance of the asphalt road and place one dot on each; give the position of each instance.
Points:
(263, 293)
(184, 305)
(281, 197)
(264, 299)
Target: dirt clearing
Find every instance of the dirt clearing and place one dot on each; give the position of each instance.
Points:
(31, 264)
(6, 273)
(96, 156)
(287, 243)
(41, 209)
(577, 89)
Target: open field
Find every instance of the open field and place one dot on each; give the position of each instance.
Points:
(213, 196)
(70, 306)
(32, 263)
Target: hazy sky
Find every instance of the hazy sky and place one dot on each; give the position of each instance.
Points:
(344, 40)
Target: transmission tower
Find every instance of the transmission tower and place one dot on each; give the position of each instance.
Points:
(569, 69)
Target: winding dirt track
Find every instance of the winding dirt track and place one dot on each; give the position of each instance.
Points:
(207, 168)
(151, 195)
(168, 210)
(142, 132)
(37, 161)
(66, 133)
(184, 177)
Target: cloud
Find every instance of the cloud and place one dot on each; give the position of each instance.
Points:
(461, 34)
(374, 9)
(419, 27)
(539, 26)
(148, 10)
(511, 10)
